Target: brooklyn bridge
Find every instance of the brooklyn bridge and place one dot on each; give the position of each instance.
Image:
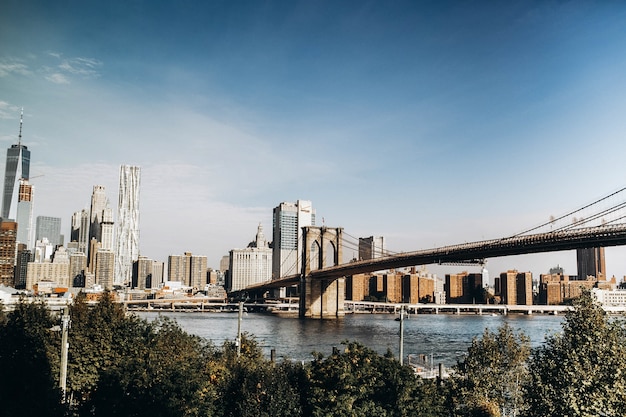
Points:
(321, 281)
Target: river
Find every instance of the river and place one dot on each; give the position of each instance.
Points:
(444, 336)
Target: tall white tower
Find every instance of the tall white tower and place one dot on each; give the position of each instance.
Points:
(127, 226)
(289, 218)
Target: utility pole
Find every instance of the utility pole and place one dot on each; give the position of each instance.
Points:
(65, 345)
(401, 335)
(239, 328)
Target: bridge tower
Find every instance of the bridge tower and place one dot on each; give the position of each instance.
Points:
(321, 298)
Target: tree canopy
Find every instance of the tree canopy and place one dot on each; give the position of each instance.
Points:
(582, 370)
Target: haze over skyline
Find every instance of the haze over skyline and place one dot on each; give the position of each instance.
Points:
(429, 123)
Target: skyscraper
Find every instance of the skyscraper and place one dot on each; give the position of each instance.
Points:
(105, 268)
(80, 230)
(289, 218)
(8, 234)
(25, 213)
(96, 212)
(17, 168)
(371, 247)
(127, 230)
(107, 232)
(98, 204)
(590, 262)
(48, 227)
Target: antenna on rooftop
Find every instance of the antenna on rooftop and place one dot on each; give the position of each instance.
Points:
(19, 138)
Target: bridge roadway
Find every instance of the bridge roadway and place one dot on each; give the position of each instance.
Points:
(589, 237)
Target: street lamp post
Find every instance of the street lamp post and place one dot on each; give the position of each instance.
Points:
(239, 328)
(401, 335)
(65, 325)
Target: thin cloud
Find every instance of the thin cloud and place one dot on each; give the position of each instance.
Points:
(13, 67)
(57, 78)
(68, 68)
(8, 111)
(86, 67)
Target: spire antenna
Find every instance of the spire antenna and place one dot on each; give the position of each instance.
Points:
(19, 139)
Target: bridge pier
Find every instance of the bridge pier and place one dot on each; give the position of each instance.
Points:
(322, 299)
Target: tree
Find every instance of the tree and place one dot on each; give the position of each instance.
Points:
(253, 386)
(360, 382)
(92, 345)
(582, 370)
(157, 370)
(489, 381)
(30, 357)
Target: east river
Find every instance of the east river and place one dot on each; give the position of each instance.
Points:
(444, 337)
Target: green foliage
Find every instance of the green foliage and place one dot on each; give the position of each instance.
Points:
(30, 356)
(92, 345)
(360, 382)
(262, 389)
(123, 365)
(490, 378)
(581, 371)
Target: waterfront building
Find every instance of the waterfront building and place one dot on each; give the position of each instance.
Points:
(251, 265)
(25, 213)
(189, 269)
(24, 256)
(49, 228)
(224, 263)
(610, 298)
(358, 287)
(288, 221)
(515, 288)
(371, 247)
(212, 276)
(418, 286)
(127, 231)
(392, 287)
(386, 287)
(464, 288)
(524, 284)
(56, 272)
(158, 270)
(8, 251)
(142, 273)
(558, 288)
(17, 168)
(78, 269)
(216, 292)
(591, 262)
(104, 270)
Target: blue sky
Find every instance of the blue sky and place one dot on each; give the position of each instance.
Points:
(429, 123)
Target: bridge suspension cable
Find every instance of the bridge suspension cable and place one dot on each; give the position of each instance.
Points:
(594, 216)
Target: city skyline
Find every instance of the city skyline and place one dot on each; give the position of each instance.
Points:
(427, 124)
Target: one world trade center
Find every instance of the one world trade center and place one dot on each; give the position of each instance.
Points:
(17, 168)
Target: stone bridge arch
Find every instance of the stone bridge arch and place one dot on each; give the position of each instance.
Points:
(321, 298)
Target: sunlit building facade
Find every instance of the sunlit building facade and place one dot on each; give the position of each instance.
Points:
(288, 221)
(251, 265)
(127, 230)
(25, 213)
